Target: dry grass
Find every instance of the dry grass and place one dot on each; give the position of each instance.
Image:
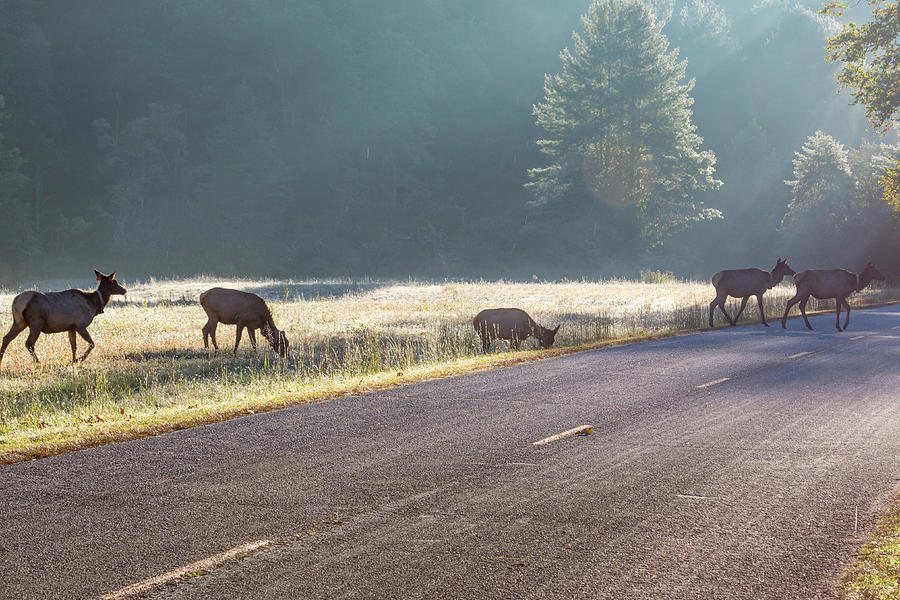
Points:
(150, 373)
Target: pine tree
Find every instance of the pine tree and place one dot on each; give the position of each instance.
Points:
(618, 128)
(824, 203)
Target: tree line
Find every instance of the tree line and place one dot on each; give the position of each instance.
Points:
(312, 138)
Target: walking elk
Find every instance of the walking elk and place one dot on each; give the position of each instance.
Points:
(55, 312)
(743, 283)
(832, 283)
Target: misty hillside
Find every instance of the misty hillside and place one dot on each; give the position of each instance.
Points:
(318, 138)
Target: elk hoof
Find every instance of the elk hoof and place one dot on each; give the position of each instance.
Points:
(766, 324)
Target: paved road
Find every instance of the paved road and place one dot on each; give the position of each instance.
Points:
(761, 486)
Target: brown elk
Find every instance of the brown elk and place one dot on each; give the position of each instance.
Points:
(832, 283)
(743, 283)
(234, 307)
(511, 324)
(55, 312)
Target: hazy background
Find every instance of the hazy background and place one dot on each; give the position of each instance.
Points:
(385, 139)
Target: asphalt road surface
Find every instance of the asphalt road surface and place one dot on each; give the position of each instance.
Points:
(761, 485)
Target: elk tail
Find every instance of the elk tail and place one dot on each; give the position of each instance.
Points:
(19, 304)
(716, 279)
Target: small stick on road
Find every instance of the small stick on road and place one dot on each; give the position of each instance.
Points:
(580, 430)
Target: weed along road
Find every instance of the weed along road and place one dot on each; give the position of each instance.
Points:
(745, 462)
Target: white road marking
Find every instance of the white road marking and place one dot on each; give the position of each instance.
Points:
(712, 383)
(693, 497)
(582, 429)
(859, 337)
(798, 355)
(201, 565)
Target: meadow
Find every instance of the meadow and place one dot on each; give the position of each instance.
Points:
(150, 373)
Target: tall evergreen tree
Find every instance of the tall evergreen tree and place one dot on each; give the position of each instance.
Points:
(619, 131)
(824, 205)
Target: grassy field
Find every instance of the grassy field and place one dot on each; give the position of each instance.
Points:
(150, 373)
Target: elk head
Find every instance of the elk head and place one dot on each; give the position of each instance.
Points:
(546, 337)
(108, 284)
(781, 269)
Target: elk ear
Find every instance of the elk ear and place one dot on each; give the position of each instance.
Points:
(557, 328)
(113, 276)
(98, 274)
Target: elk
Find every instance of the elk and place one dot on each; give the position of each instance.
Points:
(55, 312)
(511, 324)
(743, 283)
(234, 307)
(832, 283)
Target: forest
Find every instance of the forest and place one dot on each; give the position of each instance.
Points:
(425, 138)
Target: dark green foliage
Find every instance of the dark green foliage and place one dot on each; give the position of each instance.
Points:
(14, 222)
(313, 138)
(868, 55)
(837, 215)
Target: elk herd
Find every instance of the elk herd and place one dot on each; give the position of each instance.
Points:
(73, 310)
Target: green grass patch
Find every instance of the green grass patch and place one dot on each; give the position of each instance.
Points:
(876, 573)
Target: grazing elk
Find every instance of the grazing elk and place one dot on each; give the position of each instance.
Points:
(55, 312)
(832, 283)
(743, 283)
(511, 324)
(234, 307)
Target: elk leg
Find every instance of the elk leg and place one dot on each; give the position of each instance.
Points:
(209, 331)
(13, 332)
(33, 333)
(847, 304)
(724, 312)
(72, 343)
(485, 341)
(762, 311)
(803, 312)
(743, 306)
(237, 337)
(787, 309)
(720, 302)
(83, 332)
(252, 333)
